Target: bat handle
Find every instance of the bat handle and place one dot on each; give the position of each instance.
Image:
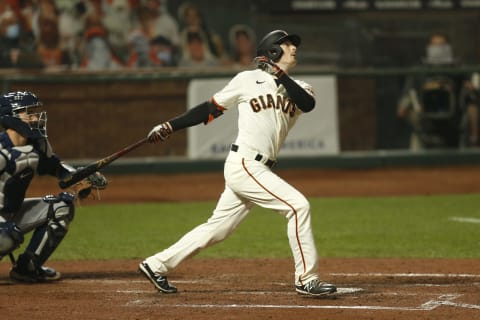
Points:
(93, 167)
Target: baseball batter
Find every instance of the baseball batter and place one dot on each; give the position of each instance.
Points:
(269, 103)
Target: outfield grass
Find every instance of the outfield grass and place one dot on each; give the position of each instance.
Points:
(418, 227)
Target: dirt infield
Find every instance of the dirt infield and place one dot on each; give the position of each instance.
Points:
(252, 289)
(260, 288)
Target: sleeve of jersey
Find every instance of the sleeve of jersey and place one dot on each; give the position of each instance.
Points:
(230, 94)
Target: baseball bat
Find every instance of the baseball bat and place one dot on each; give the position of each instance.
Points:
(97, 165)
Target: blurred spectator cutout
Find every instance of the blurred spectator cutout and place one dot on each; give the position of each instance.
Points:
(196, 53)
(97, 52)
(158, 52)
(191, 20)
(49, 50)
(470, 103)
(17, 42)
(242, 45)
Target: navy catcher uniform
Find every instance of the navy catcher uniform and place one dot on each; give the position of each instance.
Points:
(269, 103)
(24, 152)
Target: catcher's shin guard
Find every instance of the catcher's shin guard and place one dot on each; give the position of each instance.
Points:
(47, 237)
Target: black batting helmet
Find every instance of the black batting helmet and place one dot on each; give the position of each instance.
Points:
(269, 46)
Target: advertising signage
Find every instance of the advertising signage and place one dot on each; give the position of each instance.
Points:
(369, 5)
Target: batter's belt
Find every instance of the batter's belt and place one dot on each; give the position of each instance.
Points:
(253, 155)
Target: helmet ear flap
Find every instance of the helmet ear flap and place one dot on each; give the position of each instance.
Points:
(275, 52)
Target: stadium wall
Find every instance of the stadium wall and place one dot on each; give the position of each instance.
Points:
(93, 115)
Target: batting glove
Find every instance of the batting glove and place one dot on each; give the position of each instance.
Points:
(268, 65)
(160, 132)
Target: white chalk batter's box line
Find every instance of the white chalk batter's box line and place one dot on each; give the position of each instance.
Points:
(442, 300)
(250, 293)
(407, 275)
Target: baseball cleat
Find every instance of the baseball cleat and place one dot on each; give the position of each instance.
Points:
(316, 288)
(42, 274)
(160, 282)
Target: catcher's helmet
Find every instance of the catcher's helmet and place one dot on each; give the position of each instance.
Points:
(269, 46)
(13, 104)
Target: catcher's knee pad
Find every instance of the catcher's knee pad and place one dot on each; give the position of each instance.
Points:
(66, 197)
(11, 237)
(61, 207)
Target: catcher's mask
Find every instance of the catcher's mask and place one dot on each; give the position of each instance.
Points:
(269, 46)
(21, 111)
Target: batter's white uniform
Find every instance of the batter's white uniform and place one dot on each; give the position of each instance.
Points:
(266, 114)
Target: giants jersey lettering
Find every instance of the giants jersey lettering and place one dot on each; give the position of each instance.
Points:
(280, 102)
(266, 113)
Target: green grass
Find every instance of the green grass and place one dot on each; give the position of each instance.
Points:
(419, 227)
(343, 227)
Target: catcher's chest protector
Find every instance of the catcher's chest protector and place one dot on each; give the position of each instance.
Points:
(17, 168)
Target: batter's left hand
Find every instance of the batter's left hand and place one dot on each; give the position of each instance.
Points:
(160, 133)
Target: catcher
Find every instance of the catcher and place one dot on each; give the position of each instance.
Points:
(24, 151)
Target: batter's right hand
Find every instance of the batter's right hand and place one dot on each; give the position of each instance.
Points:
(160, 132)
(269, 66)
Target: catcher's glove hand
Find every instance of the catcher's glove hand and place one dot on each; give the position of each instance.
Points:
(95, 181)
(268, 65)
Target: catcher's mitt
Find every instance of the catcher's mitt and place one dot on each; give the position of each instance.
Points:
(95, 181)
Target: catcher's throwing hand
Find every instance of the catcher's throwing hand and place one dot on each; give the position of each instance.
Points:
(268, 65)
(160, 132)
(95, 181)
